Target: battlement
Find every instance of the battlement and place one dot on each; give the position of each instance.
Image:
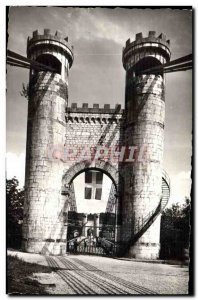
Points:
(152, 38)
(47, 39)
(152, 45)
(47, 35)
(96, 109)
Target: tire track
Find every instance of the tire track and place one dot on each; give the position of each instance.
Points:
(55, 267)
(84, 288)
(108, 287)
(76, 285)
(139, 289)
(68, 264)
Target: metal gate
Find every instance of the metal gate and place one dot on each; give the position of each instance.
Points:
(100, 240)
(98, 235)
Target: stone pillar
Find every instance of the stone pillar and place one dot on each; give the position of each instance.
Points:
(84, 231)
(45, 207)
(96, 224)
(145, 113)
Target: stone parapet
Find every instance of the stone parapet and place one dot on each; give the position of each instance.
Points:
(146, 46)
(49, 40)
(95, 109)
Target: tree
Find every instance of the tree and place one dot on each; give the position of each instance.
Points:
(175, 231)
(15, 202)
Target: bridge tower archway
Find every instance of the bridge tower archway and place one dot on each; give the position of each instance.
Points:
(103, 245)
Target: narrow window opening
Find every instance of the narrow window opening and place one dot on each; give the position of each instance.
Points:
(50, 61)
(147, 63)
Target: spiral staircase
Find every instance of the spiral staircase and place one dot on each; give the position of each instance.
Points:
(147, 221)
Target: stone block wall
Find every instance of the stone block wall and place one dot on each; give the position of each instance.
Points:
(145, 114)
(143, 192)
(45, 207)
(43, 227)
(95, 128)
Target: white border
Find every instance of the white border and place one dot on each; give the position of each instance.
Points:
(3, 4)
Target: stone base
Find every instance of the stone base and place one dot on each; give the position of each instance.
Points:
(144, 251)
(44, 247)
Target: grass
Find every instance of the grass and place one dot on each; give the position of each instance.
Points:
(18, 281)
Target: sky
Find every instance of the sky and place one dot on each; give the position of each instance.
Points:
(97, 75)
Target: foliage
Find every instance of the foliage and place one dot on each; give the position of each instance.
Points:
(15, 202)
(175, 231)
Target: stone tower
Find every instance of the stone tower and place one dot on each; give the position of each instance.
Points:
(44, 209)
(52, 129)
(145, 113)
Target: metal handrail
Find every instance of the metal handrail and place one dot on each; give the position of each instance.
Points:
(166, 178)
(148, 217)
(138, 228)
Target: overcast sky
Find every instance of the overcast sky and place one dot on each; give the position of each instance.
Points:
(97, 75)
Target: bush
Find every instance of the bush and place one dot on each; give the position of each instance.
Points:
(15, 202)
(175, 231)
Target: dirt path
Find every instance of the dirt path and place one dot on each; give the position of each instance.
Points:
(84, 275)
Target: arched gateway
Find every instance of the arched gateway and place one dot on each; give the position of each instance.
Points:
(126, 144)
(83, 166)
(104, 226)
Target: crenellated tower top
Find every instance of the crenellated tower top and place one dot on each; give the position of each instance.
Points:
(49, 41)
(144, 47)
(52, 50)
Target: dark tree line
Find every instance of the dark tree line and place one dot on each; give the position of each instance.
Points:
(15, 202)
(175, 231)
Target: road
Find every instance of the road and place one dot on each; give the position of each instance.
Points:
(84, 275)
